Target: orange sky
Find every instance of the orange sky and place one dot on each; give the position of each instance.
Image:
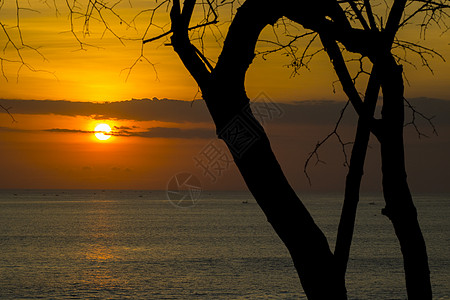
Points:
(35, 155)
(99, 74)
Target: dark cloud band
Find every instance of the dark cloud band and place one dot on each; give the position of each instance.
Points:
(176, 111)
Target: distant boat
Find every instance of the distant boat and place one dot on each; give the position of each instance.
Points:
(244, 202)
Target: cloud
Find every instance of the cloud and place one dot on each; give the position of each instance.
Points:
(154, 132)
(68, 130)
(125, 127)
(140, 110)
(166, 132)
(300, 112)
(123, 131)
(8, 129)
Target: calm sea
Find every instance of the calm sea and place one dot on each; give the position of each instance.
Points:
(66, 244)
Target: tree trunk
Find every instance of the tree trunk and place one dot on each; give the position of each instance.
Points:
(400, 208)
(288, 216)
(223, 90)
(366, 112)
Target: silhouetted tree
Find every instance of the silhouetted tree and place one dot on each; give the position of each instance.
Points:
(387, 73)
(340, 25)
(322, 274)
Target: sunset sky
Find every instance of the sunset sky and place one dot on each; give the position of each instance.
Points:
(51, 143)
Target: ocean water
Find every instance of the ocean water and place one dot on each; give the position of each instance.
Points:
(67, 244)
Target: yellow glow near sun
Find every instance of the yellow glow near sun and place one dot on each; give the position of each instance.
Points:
(101, 131)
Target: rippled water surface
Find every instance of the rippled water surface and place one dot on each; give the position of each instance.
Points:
(64, 244)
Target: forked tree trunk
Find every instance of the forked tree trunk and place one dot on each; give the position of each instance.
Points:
(223, 90)
(355, 173)
(399, 204)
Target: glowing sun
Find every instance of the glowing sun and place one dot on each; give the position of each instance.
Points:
(101, 132)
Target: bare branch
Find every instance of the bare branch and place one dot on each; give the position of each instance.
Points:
(358, 14)
(315, 152)
(432, 12)
(170, 31)
(339, 65)
(6, 109)
(201, 25)
(18, 50)
(423, 53)
(290, 49)
(414, 114)
(370, 15)
(141, 58)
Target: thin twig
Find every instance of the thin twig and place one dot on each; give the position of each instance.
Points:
(315, 152)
